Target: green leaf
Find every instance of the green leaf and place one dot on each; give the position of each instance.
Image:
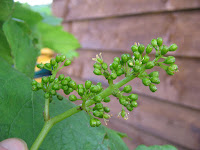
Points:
(22, 117)
(24, 13)
(156, 147)
(23, 47)
(5, 51)
(55, 38)
(5, 9)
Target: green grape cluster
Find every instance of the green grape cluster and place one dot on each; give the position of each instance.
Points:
(93, 95)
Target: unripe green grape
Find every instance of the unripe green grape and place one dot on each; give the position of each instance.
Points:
(173, 67)
(153, 88)
(56, 81)
(155, 80)
(117, 59)
(97, 71)
(134, 104)
(137, 55)
(115, 65)
(164, 50)
(146, 81)
(93, 122)
(34, 82)
(68, 79)
(62, 58)
(111, 67)
(97, 113)
(154, 42)
(97, 98)
(169, 60)
(72, 84)
(145, 59)
(104, 66)
(53, 61)
(149, 48)
(94, 89)
(88, 84)
(127, 89)
(98, 122)
(141, 48)
(96, 65)
(99, 60)
(133, 97)
(122, 101)
(159, 41)
(34, 88)
(128, 56)
(72, 98)
(129, 108)
(137, 68)
(64, 82)
(154, 74)
(137, 62)
(130, 63)
(99, 83)
(123, 113)
(40, 66)
(143, 74)
(55, 86)
(53, 92)
(45, 79)
(124, 58)
(81, 92)
(134, 48)
(67, 62)
(107, 109)
(59, 97)
(102, 111)
(65, 87)
(149, 65)
(61, 77)
(58, 58)
(113, 76)
(39, 85)
(120, 72)
(47, 66)
(106, 74)
(173, 47)
(51, 79)
(70, 90)
(99, 106)
(107, 99)
(80, 86)
(46, 95)
(106, 116)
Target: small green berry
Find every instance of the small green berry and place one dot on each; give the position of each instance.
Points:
(80, 86)
(93, 122)
(97, 98)
(81, 92)
(164, 50)
(127, 89)
(173, 47)
(55, 86)
(107, 99)
(34, 82)
(39, 85)
(113, 76)
(106, 116)
(141, 48)
(154, 74)
(115, 64)
(120, 72)
(64, 82)
(104, 66)
(124, 58)
(146, 81)
(145, 59)
(130, 63)
(51, 79)
(94, 89)
(72, 98)
(72, 84)
(62, 58)
(53, 92)
(46, 95)
(97, 71)
(149, 49)
(68, 79)
(98, 122)
(159, 41)
(117, 59)
(65, 87)
(155, 80)
(154, 43)
(34, 88)
(40, 66)
(53, 61)
(59, 97)
(107, 109)
(137, 68)
(47, 66)
(149, 65)
(45, 79)
(134, 104)
(61, 77)
(133, 97)
(153, 88)
(97, 65)
(122, 101)
(58, 58)
(137, 55)
(88, 84)
(67, 62)
(129, 108)
(134, 48)
(123, 113)
(169, 60)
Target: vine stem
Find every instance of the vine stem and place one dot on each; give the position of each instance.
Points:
(51, 122)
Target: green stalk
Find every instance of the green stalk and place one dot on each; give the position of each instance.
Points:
(51, 122)
(46, 110)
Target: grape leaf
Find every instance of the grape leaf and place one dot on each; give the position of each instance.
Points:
(22, 116)
(22, 46)
(156, 147)
(55, 38)
(5, 9)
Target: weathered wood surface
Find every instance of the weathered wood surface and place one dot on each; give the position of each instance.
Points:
(156, 122)
(88, 9)
(118, 34)
(182, 88)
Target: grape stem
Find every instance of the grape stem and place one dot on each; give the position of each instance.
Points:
(49, 123)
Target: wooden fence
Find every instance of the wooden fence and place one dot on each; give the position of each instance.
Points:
(172, 114)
